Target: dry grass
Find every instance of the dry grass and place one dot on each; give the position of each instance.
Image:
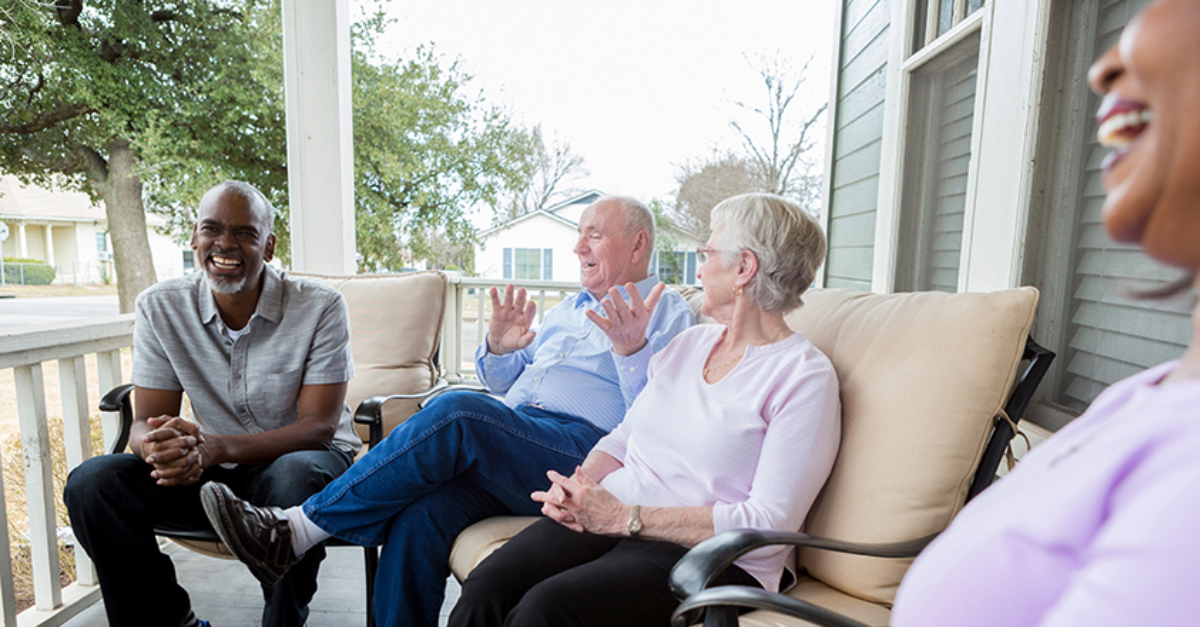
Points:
(43, 291)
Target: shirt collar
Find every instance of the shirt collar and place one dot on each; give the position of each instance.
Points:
(644, 286)
(270, 302)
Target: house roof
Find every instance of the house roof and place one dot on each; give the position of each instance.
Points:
(32, 203)
(551, 212)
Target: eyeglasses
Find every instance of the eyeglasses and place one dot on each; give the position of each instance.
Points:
(703, 253)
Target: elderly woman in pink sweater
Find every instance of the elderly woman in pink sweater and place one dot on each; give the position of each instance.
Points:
(737, 427)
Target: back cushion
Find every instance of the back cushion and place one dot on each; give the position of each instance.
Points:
(922, 377)
(395, 325)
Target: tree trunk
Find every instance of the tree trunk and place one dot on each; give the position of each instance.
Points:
(122, 194)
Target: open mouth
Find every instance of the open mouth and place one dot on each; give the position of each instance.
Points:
(221, 262)
(1121, 122)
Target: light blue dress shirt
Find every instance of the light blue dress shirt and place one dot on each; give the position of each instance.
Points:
(570, 367)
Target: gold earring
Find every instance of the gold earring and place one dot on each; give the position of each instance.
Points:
(737, 290)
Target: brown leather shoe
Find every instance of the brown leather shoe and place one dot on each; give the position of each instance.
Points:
(259, 536)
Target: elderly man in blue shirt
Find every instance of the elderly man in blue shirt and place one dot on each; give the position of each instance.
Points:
(467, 456)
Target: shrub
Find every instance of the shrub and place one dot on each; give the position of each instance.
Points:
(35, 272)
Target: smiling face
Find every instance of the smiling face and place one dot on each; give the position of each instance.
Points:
(607, 256)
(1150, 116)
(232, 242)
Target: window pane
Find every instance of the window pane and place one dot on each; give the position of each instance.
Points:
(508, 263)
(936, 169)
(101, 242)
(973, 6)
(945, 16)
(527, 263)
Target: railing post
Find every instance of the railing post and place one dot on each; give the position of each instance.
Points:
(108, 367)
(451, 321)
(77, 439)
(8, 595)
(39, 486)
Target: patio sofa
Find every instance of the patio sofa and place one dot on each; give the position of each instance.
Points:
(926, 380)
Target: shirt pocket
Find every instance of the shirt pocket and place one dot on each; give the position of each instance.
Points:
(273, 399)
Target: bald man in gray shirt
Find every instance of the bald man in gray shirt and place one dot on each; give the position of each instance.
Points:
(264, 359)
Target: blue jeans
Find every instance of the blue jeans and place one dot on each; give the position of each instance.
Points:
(463, 458)
(114, 505)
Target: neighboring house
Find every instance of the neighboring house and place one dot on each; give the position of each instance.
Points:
(540, 246)
(66, 230)
(963, 157)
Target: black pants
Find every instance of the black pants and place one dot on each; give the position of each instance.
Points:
(114, 505)
(550, 575)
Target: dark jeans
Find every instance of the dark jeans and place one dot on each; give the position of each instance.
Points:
(463, 458)
(114, 505)
(549, 575)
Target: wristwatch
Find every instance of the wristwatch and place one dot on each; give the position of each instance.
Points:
(634, 526)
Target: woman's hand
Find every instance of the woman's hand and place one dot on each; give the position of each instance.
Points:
(580, 504)
(626, 324)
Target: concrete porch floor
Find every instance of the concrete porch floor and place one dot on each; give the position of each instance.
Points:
(226, 594)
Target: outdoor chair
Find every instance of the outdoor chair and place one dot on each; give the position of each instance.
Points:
(395, 326)
(930, 399)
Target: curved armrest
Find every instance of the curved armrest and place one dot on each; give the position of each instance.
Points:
(370, 411)
(690, 610)
(706, 560)
(118, 399)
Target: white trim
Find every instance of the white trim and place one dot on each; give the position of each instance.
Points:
(895, 115)
(831, 124)
(574, 200)
(961, 31)
(525, 216)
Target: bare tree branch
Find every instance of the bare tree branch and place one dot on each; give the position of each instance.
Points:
(48, 119)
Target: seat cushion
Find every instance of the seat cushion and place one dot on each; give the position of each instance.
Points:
(923, 377)
(395, 326)
(476, 542)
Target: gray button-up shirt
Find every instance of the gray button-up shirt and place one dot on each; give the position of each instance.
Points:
(299, 335)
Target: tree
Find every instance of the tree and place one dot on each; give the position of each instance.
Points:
(704, 183)
(553, 166)
(427, 152)
(87, 92)
(781, 156)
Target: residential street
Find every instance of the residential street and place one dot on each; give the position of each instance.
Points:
(25, 312)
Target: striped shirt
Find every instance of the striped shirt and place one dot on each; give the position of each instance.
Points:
(570, 367)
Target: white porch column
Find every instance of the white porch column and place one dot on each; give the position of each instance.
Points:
(22, 247)
(50, 244)
(316, 58)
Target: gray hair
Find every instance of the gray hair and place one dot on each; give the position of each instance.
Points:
(789, 245)
(258, 201)
(638, 217)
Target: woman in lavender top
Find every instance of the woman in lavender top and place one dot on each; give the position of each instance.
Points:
(738, 426)
(1098, 526)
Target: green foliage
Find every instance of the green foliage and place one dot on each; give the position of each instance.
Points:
(29, 272)
(427, 152)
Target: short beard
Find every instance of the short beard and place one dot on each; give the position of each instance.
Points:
(221, 286)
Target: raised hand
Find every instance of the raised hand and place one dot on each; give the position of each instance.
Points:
(509, 329)
(626, 324)
(172, 448)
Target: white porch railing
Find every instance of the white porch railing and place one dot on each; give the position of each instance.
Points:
(468, 308)
(25, 352)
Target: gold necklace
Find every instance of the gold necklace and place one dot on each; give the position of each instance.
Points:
(739, 357)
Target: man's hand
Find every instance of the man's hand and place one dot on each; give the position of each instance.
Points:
(509, 329)
(172, 448)
(626, 324)
(580, 504)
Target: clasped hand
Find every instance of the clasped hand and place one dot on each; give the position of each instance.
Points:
(580, 504)
(626, 323)
(172, 447)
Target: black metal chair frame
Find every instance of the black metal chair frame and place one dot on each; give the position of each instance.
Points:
(369, 413)
(692, 575)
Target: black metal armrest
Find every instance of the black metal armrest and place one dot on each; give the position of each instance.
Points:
(689, 611)
(118, 400)
(706, 560)
(370, 411)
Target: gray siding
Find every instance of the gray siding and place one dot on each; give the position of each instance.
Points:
(858, 119)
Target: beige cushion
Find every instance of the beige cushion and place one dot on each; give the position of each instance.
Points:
(821, 595)
(476, 542)
(395, 325)
(922, 377)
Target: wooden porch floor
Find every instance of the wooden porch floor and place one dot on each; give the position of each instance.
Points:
(226, 594)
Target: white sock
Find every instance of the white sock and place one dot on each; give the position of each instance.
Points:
(305, 533)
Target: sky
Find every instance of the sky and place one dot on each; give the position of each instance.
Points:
(637, 87)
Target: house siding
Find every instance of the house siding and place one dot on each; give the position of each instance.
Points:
(858, 116)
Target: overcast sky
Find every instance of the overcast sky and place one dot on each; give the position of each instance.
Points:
(637, 87)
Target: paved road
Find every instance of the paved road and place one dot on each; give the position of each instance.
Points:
(23, 312)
